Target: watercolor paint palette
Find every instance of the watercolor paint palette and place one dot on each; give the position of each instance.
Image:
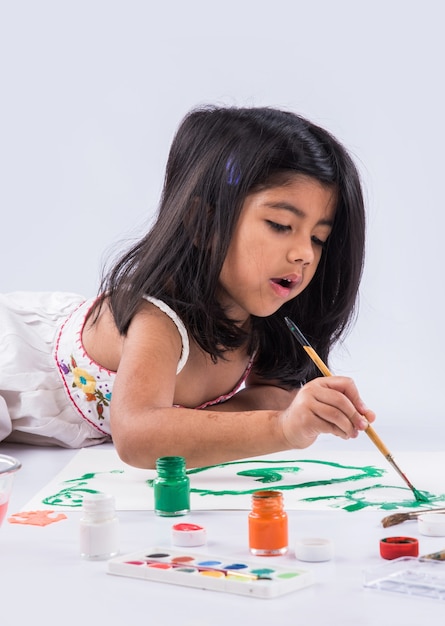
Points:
(204, 571)
(409, 575)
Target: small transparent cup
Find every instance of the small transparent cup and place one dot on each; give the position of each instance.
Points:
(8, 467)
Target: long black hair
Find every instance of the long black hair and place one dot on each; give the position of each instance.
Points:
(218, 156)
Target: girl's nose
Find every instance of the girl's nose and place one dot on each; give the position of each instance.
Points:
(302, 251)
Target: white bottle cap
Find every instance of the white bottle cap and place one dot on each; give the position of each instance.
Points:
(188, 535)
(314, 549)
(432, 524)
(97, 507)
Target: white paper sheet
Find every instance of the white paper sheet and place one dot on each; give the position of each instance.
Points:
(335, 480)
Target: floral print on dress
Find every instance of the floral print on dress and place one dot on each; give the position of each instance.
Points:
(88, 384)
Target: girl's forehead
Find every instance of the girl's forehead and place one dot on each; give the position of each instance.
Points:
(302, 190)
(286, 179)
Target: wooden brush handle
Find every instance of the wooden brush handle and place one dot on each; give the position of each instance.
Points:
(377, 441)
(415, 514)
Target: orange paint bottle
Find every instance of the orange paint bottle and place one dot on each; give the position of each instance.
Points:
(268, 528)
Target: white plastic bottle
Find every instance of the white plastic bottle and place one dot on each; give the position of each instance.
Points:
(99, 527)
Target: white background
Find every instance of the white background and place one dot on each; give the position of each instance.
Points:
(92, 91)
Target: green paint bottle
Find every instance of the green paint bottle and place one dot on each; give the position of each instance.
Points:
(171, 487)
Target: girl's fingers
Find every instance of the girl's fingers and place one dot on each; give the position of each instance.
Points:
(330, 405)
(342, 394)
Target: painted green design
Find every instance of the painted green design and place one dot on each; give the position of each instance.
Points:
(274, 472)
(350, 500)
(73, 495)
(354, 500)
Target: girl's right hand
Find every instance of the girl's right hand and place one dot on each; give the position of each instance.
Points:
(330, 404)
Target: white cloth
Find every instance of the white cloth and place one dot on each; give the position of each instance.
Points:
(51, 391)
(33, 403)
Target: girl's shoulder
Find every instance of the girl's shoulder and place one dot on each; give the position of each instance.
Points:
(165, 308)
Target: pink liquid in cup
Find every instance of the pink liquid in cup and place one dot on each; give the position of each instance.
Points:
(3, 509)
(8, 467)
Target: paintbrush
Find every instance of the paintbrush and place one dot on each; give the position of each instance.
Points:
(398, 518)
(369, 430)
(435, 556)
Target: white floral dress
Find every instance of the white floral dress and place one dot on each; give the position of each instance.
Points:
(51, 391)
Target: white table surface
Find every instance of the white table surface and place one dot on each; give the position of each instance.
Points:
(44, 580)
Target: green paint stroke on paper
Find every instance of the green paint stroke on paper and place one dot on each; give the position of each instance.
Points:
(272, 474)
(72, 496)
(350, 500)
(356, 500)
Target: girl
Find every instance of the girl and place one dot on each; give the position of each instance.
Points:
(185, 351)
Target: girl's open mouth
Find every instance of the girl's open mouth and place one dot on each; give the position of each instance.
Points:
(283, 286)
(284, 282)
(288, 281)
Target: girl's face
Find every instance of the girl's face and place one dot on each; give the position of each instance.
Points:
(276, 246)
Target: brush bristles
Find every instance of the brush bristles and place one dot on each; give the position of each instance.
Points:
(420, 497)
(398, 518)
(392, 520)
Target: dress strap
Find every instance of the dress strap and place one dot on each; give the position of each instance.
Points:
(179, 325)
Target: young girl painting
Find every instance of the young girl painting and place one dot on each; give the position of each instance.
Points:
(185, 350)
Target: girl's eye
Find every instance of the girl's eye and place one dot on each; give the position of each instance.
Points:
(281, 228)
(319, 242)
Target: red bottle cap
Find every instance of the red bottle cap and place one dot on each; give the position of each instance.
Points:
(395, 547)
